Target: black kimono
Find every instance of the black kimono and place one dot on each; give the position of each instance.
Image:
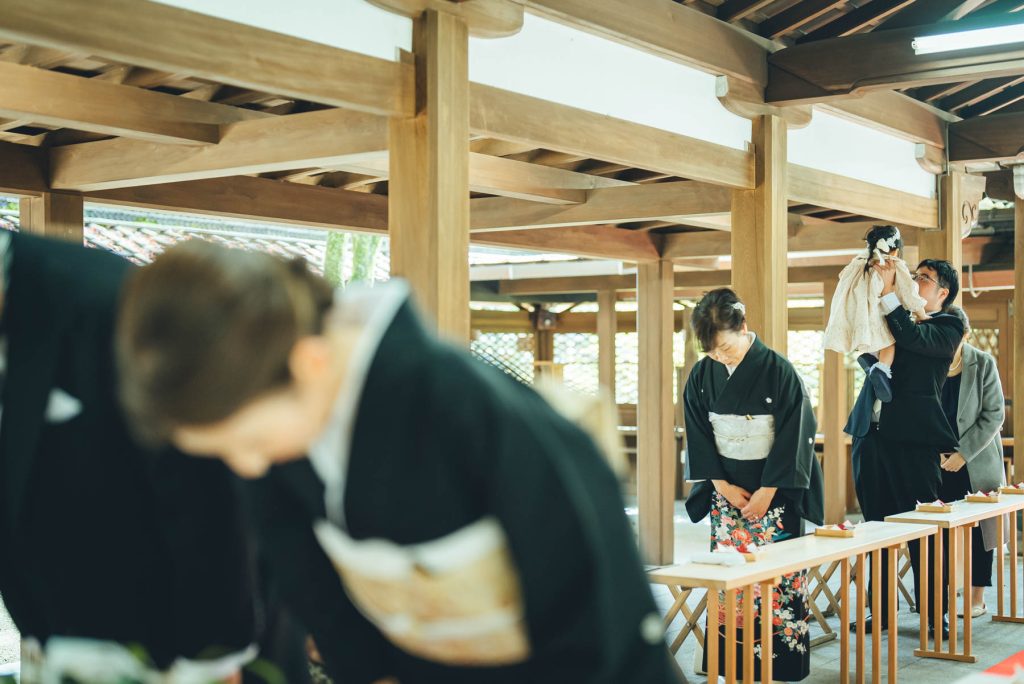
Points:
(756, 429)
(102, 539)
(450, 526)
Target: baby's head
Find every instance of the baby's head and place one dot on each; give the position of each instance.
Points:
(885, 239)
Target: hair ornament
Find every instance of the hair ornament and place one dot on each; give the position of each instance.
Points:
(740, 306)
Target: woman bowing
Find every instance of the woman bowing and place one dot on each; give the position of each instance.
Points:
(750, 444)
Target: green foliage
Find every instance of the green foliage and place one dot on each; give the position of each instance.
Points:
(350, 258)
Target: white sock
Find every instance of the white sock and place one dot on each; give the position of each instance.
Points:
(884, 367)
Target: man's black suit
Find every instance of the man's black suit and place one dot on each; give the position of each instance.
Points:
(99, 537)
(896, 460)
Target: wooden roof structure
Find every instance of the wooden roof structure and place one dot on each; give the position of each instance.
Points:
(140, 103)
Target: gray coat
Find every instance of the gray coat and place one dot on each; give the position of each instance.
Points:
(980, 415)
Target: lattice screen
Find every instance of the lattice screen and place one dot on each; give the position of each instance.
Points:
(511, 352)
(577, 352)
(627, 367)
(807, 356)
(985, 339)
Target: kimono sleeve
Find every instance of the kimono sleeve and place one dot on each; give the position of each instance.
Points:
(791, 458)
(585, 596)
(702, 459)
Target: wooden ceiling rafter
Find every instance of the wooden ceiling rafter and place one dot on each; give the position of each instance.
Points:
(796, 16)
(856, 20)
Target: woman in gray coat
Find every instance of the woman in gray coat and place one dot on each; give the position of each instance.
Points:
(973, 401)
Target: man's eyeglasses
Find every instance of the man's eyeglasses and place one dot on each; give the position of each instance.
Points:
(918, 277)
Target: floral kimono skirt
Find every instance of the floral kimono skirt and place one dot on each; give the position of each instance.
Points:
(791, 644)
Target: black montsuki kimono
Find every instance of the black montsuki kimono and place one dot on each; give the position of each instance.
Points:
(449, 526)
(756, 429)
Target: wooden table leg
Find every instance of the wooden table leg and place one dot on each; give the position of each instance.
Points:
(692, 625)
(968, 588)
(711, 639)
(1011, 531)
(767, 622)
(749, 634)
(938, 589)
(1013, 567)
(844, 622)
(862, 580)
(730, 636)
(891, 635)
(877, 616)
(922, 608)
(954, 553)
(1000, 559)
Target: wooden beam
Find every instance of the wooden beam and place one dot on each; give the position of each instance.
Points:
(656, 453)
(1018, 335)
(59, 215)
(832, 395)
(428, 198)
(831, 191)
(808, 236)
(760, 232)
(136, 32)
(667, 29)
(607, 205)
(23, 169)
(881, 60)
(685, 35)
(260, 199)
(896, 114)
(997, 137)
(485, 18)
(60, 100)
(606, 242)
(511, 178)
(682, 279)
(746, 99)
(606, 328)
(506, 115)
(324, 138)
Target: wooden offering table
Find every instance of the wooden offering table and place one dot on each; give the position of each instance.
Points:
(959, 522)
(783, 558)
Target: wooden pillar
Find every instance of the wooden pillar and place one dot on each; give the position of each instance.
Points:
(1018, 337)
(832, 393)
(58, 215)
(656, 457)
(606, 327)
(760, 233)
(959, 194)
(428, 198)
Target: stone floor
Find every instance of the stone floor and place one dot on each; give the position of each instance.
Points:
(992, 642)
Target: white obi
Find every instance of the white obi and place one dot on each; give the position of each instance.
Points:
(455, 600)
(743, 438)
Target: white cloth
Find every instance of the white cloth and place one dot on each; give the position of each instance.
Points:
(857, 321)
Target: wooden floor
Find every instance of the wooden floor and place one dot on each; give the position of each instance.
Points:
(993, 642)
